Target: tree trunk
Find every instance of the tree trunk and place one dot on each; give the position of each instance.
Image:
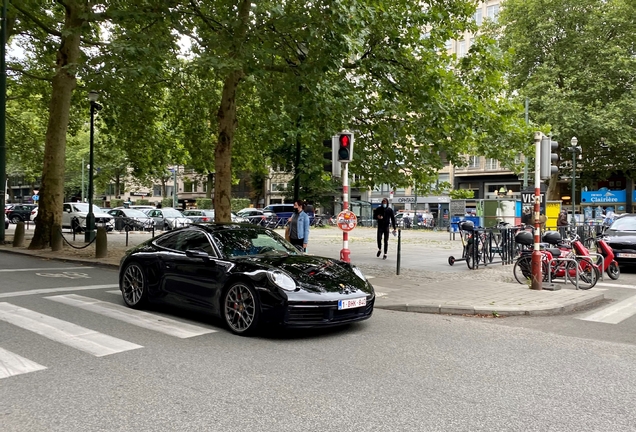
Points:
(226, 116)
(64, 82)
(223, 152)
(553, 193)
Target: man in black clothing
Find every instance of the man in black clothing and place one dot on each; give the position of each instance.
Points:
(385, 217)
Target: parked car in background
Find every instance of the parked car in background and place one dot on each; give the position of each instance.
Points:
(8, 207)
(167, 218)
(6, 221)
(74, 217)
(131, 219)
(34, 214)
(141, 207)
(199, 216)
(20, 212)
(253, 216)
(621, 237)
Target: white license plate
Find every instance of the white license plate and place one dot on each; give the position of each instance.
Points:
(626, 255)
(352, 303)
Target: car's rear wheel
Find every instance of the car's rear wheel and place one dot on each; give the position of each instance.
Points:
(241, 309)
(134, 285)
(16, 219)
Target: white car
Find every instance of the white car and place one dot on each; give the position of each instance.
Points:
(74, 216)
(168, 218)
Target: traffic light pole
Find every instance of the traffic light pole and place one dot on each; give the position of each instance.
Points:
(536, 252)
(344, 253)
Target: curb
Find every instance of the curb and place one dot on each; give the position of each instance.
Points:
(437, 309)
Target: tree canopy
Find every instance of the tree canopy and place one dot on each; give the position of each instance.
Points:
(576, 62)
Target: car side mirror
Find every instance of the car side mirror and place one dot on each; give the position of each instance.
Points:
(198, 253)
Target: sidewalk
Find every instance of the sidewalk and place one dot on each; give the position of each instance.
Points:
(426, 284)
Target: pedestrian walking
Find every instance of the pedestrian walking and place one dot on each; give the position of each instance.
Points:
(562, 220)
(385, 218)
(299, 226)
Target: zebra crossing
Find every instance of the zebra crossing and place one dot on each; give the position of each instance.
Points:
(81, 338)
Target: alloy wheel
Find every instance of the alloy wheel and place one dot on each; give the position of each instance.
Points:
(133, 285)
(240, 308)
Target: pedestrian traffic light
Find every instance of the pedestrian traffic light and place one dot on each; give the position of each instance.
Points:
(345, 146)
(549, 158)
(331, 164)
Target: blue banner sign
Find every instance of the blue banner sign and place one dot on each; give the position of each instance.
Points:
(603, 195)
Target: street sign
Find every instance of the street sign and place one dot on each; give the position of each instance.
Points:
(347, 220)
(36, 197)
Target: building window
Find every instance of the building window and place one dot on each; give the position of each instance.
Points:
(477, 17)
(278, 187)
(474, 161)
(189, 186)
(156, 190)
(448, 45)
(492, 164)
(493, 12)
(461, 49)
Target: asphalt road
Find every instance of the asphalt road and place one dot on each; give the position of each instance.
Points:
(397, 371)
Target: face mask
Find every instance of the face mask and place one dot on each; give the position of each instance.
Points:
(383, 205)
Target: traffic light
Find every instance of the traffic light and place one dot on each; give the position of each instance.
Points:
(549, 158)
(345, 146)
(331, 164)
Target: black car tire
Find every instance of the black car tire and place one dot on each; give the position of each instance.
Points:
(241, 308)
(15, 219)
(613, 271)
(134, 285)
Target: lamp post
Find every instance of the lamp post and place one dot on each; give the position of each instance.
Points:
(89, 235)
(576, 150)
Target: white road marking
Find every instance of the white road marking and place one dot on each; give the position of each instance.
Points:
(12, 364)
(613, 285)
(118, 292)
(135, 317)
(55, 290)
(615, 313)
(43, 269)
(81, 338)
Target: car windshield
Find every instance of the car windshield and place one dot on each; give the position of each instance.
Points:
(135, 213)
(249, 242)
(83, 208)
(173, 213)
(624, 224)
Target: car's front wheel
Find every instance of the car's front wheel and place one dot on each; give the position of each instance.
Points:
(16, 219)
(134, 285)
(241, 309)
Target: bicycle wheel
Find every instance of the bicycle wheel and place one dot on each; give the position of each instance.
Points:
(523, 269)
(471, 258)
(588, 273)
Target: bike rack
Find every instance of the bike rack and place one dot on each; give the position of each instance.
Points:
(565, 277)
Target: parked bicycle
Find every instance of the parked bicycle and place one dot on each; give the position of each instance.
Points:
(558, 260)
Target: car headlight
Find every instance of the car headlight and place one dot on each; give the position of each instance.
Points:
(281, 280)
(358, 273)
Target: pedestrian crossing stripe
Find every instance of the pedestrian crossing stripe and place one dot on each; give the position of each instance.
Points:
(12, 364)
(81, 338)
(614, 313)
(135, 317)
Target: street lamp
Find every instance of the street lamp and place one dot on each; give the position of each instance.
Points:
(576, 150)
(89, 235)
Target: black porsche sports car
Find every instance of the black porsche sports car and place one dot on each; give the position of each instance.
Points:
(246, 274)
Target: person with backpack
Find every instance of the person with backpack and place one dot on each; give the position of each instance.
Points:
(385, 217)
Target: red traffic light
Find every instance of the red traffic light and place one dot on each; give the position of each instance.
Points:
(344, 140)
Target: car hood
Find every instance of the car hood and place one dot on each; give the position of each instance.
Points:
(313, 273)
(623, 237)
